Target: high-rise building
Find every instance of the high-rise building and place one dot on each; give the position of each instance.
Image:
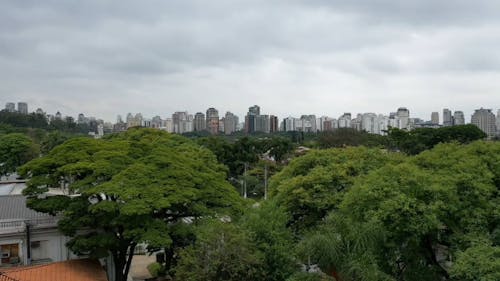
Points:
(356, 122)
(213, 121)
(199, 122)
(273, 124)
(288, 124)
(458, 118)
(435, 117)
(10, 107)
(345, 120)
(230, 123)
(182, 122)
(254, 110)
(447, 118)
(262, 123)
(498, 122)
(307, 124)
(22, 107)
(403, 114)
(484, 119)
(370, 124)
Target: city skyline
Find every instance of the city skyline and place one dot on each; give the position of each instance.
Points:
(291, 57)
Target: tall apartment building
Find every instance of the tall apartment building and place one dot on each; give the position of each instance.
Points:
(262, 123)
(458, 118)
(288, 124)
(22, 107)
(498, 122)
(447, 118)
(344, 121)
(200, 124)
(435, 118)
(273, 124)
(230, 123)
(253, 111)
(212, 121)
(10, 107)
(403, 115)
(182, 122)
(485, 120)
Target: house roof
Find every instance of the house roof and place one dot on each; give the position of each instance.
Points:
(74, 270)
(13, 207)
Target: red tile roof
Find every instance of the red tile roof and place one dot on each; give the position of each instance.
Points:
(74, 270)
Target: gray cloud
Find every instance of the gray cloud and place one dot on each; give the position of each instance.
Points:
(291, 57)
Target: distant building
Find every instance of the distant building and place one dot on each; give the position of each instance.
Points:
(458, 118)
(273, 124)
(212, 121)
(403, 115)
(447, 118)
(10, 107)
(344, 120)
(485, 120)
(22, 107)
(253, 111)
(435, 118)
(370, 123)
(498, 122)
(262, 123)
(230, 123)
(40, 111)
(288, 124)
(182, 122)
(199, 123)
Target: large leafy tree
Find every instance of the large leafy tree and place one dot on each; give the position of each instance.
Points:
(126, 189)
(432, 210)
(314, 184)
(222, 252)
(15, 150)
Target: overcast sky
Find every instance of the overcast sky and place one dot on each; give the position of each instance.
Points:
(105, 58)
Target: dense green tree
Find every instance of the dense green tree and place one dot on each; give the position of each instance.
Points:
(415, 141)
(343, 137)
(15, 150)
(266, 225)
(345, 249)
(132, 187)
(431, 207)
(222, 252)
(314, 184)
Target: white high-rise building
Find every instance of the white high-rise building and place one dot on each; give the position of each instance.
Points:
(435, 118)
(485, 120)
(369, 123)
(230, 123)
(403, 114)
(22, 107)
(344, 121)
(288, 124)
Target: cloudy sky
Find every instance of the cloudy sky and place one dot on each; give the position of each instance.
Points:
(290, 57)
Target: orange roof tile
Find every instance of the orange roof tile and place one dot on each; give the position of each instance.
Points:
(74, 270)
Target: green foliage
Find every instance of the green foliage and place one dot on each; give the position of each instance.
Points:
(222, 251)
(132, 186)
(479, 262)
(345, 249)
(343, 137)
(314, 184)
(306, 276)
(156, 269)
(15, 150)
(415, 141)
(267, 229)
